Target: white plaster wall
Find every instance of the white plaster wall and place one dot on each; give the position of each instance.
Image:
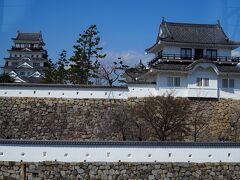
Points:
(177, 50)
(229, 93)
(138, 90)
(209, 92)
(142, 90)
(203, 73)
(84, 93)
(236, 81)
(163, 88)
(174, 91)
(162, 79)
(29, 153)
(188, 88)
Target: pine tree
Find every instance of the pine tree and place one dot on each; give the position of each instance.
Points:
(84, 62)
(5, 78)
(61, 72)
(50, 73)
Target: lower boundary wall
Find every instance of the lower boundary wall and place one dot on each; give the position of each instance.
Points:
(120, 170)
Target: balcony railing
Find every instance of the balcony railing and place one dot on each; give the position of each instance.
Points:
(179, 57)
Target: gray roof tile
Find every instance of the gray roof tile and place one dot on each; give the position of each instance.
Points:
(194, 33)
(178, 66)
(29, 36)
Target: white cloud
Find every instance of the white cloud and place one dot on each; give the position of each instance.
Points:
(235, 53)
(128, 57)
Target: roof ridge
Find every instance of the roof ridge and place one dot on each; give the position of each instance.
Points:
(191, 24)
(29, 32)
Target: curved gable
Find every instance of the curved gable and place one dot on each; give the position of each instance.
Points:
(205, 66)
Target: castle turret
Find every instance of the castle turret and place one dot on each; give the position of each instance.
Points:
(27, 58)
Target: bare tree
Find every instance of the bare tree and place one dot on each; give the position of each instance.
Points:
(166, 115)
(120, 120)
(109, 73)
(199, 121)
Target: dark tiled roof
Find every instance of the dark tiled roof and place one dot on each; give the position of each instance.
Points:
(29, 36)
(211, 34)
(228, 69)
(119, 144)
(19, 58)
(32, 79)
(194, 33)
(178, 66)
(173, 67)
(141, 82)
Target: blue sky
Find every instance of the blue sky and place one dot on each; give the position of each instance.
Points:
(127, 27)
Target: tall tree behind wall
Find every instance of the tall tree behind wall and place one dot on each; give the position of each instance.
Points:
(84, 62)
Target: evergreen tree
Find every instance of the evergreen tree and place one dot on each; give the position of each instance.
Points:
(50, 73)
(5, 78)
(61, 72)
(84, 62)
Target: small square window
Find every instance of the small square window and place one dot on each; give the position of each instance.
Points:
(206, 82)
(231, 83)
(170, 81)
(173, 82)
(225, 83)
(202, 82)
(22, 73)
(199, 82)
(228, 83)
(177, 81)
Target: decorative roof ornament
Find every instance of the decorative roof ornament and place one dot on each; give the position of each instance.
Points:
(163, 19)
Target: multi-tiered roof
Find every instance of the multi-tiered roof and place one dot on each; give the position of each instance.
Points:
(27, 59)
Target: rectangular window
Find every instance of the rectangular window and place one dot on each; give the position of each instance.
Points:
(202, 82)
(211, 53)
(36, 64)
(199, 82)
(14, 64)
(22, 73)
(177, 81)
(231, 83)
(160, 54)
(205, 82)
(35, 46)
(170, 82)
(186, 53)
(173, 82)
(227, 83)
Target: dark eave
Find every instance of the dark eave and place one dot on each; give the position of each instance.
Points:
(117, 144)
(32, 50)
(187, 66)
(141, 82)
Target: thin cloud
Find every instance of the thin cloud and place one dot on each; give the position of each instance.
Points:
(235, 53)
(128, 57)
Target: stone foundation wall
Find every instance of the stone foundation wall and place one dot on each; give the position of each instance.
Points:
(58, 170)
(80, 119)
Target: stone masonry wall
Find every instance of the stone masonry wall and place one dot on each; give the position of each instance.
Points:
(167, 171)
(80, 119)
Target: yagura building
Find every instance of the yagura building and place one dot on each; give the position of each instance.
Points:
(192, 60)
(27, 58)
